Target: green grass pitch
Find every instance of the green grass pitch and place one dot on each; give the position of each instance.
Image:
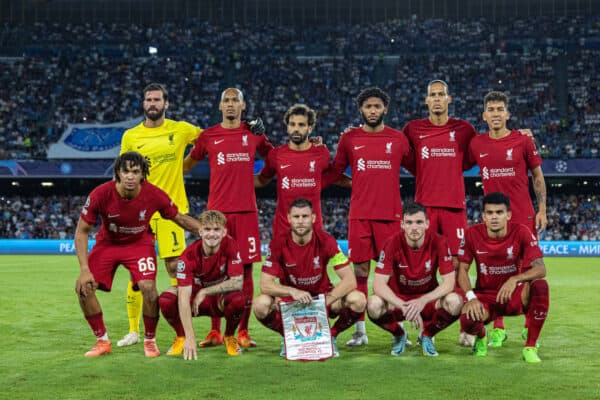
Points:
(43, 338)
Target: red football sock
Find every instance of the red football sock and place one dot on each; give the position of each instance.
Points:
(440, 320)
(346, 319)
(499, 323)
(273, 322)
(96, 322)
(248, 293)
(150, 327)
(362, 285)
(235, 305)
(389, 322)
(472, 327)
(539, 301)
(215, 324)
(170, 310)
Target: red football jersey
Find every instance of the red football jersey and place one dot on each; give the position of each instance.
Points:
(498, 259)
(414, 271)
(231, 157)
(303, 267)
(375, 160)
(299, 174)
(195, 268)
(126, 220)
(504, 165)
(439, 157)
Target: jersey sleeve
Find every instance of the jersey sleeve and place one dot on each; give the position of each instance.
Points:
(186, 265)
(264, 147)
(126, 143)
(385, 263)
(90, 211)
(445, 265)
(166, 207)
(272, 264)
(341, 161)
(234, 261)
(269, 168)
(469, 159)
(199, 150)
(335, 255)
(529, 245)
(532, 156)
(465, 252)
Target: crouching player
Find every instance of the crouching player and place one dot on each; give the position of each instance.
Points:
(125, 206)
(405, 285)
(499, 248)
(210, 281)
(299, 261)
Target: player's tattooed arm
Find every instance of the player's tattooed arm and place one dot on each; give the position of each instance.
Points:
(230, 285)
(539, 188)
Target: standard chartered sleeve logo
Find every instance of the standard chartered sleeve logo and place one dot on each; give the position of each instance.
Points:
(425, 152)
(220, 158)
(360, 164)
(285, 182)
(485, 173)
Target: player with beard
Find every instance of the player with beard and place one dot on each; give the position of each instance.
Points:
(499, 249)
(162, 142)
(375, 153)
(406, 287)
(296, 268)
(231, 147)
(300, 166)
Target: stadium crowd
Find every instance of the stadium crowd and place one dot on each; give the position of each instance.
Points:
(92, 74)
(570, 217)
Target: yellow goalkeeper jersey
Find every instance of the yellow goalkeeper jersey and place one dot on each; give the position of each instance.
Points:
(164, 148)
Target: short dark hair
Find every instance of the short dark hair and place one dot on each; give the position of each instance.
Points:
(301, 202)
(372, 91)
(437, 81)
(495, 96)
(413, 208)
(496, 198)
(134, 158)
(301, 109)
(157, 86)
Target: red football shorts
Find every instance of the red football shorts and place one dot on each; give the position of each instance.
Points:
(367, 237)
(139, 259)
(495, 309)
(450, 223)
(243, 227)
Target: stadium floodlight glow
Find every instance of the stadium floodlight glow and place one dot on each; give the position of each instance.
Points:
(15, 183)
(152, 50)
(478, 184)
(47, 184)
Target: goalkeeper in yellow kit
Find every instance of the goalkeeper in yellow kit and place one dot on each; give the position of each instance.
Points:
(162, 142)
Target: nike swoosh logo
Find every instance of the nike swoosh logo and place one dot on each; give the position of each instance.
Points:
(423, 136)
(141, 145)
(219, 141)
(290, 265)
(252, 256)
(177, 249)
(481, 155)
(146, 273)
(481, 252)
(113, 215)
(358, 147)
(402, 266)
(285, 166)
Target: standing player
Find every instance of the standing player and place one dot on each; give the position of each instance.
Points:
(374, 152)
(504, 158)
(210, 279)
(162, 142)
(299, 261)
(231, 148)
(406, 286)
(300, 167)
(125, 207)
(500, 248)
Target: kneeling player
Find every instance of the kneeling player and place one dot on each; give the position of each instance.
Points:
(405, 283)
(210, 281)
(125, 206)
(499, 248)
(299, 260)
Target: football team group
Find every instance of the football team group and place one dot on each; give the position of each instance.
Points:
(146, 202)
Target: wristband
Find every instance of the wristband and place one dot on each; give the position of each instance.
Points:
(470, 295)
